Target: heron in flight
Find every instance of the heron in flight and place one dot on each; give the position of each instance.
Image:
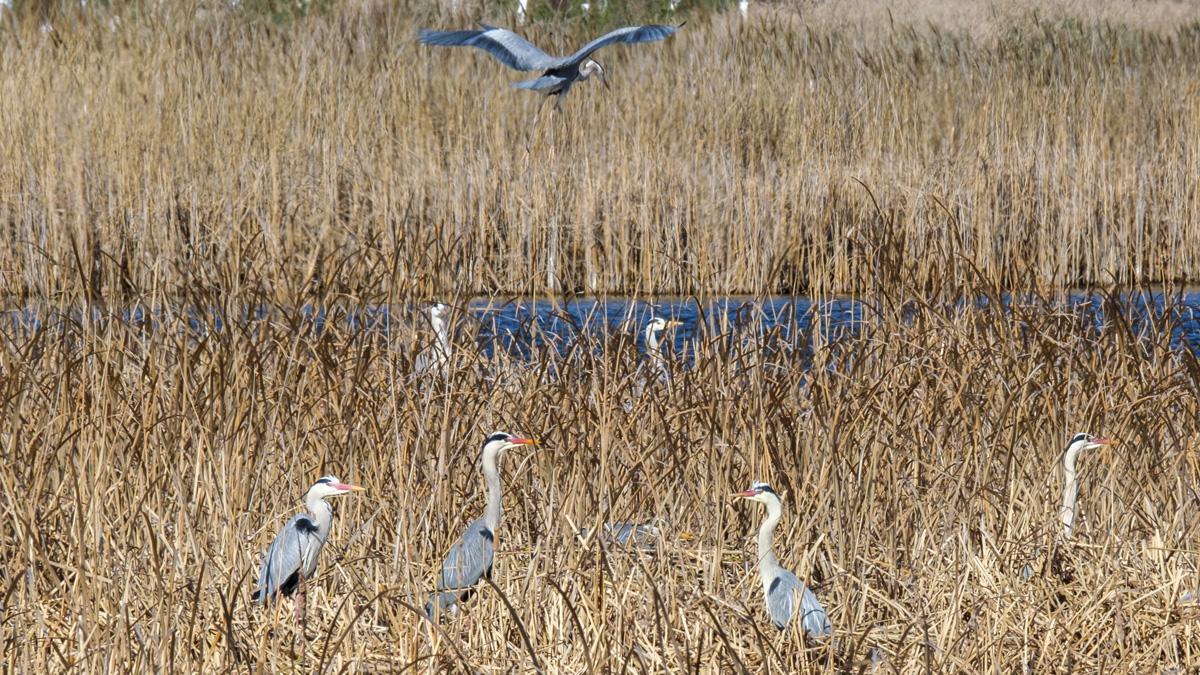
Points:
(292, 558)
(780, 587)
(560, 73)
(1079, 443)
(470, 559)
(435, 358)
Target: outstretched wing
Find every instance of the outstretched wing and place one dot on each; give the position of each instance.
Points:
(509, 48)
(469, 559)
(628, 34)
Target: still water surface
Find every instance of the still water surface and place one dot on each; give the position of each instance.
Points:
(524, 326)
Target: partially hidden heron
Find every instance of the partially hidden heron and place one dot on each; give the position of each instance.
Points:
(654, 332)
(434, 359)
(781, 588)
(470, 558)
(560, 72)
(292, 558)
(1079, 443)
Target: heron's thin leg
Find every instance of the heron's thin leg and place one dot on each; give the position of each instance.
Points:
(300, 603)
(533, 128)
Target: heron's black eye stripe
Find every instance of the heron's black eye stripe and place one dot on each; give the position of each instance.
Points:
(324, 480)
(768, 488)
(501, 436)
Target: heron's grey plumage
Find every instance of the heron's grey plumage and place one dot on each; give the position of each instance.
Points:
(471, 556)
(292, 556)
(637, 535)
(626, 35)
(781, 588)
(560, 72)
(782, 592)
(509, 48)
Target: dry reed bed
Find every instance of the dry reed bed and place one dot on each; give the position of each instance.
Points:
(145, 471)
(1059, 148)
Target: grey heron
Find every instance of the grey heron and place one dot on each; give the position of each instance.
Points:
(781, 588)
(1079, 443)
(435, 358)
(654, 331)
(292, 558)
(560, 72)
(637, 535)
(470, 558)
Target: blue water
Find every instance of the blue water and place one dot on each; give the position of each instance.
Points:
(523, 327)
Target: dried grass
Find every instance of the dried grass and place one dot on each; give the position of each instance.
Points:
(243, 167)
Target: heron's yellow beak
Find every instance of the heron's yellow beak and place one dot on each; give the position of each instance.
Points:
(346, 487)
(674, 324)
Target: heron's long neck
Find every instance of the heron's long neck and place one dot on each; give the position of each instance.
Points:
(1070, 490)
(768, 564)
(491, 473)
(652, 344)
(322, 515)
(442, 334)
(654, 352)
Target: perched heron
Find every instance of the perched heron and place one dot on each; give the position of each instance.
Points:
(435, 358)
(780, 586)
(292, 558)
(470, 559)
(1079, 443)
(560, 72)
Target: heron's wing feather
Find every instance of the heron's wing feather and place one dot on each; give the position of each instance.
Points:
(469, 559)
(286, 556)
(813, 616)
(509, 48)
(542, 83)
(781, 602)
(628, 35)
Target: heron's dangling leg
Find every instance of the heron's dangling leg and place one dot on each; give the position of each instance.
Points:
(533, 129)
(300, 603)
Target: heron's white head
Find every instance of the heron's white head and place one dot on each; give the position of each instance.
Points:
(1082, 441)
(761, 493)
(499, 441)
(591, 67)
(659, 324)
(439, 312)
(329, 486)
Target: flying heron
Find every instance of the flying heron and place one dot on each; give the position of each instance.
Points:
(435, 358)
(560, 72)
(470, 559)
(781, 587)
(292, 558)
(1079, 443)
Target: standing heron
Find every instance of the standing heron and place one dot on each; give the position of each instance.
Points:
(435, 358)
(654, 330)
(1079, 443)
(292, 558)
(560, 72)
(781, 587)
(470, 559)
